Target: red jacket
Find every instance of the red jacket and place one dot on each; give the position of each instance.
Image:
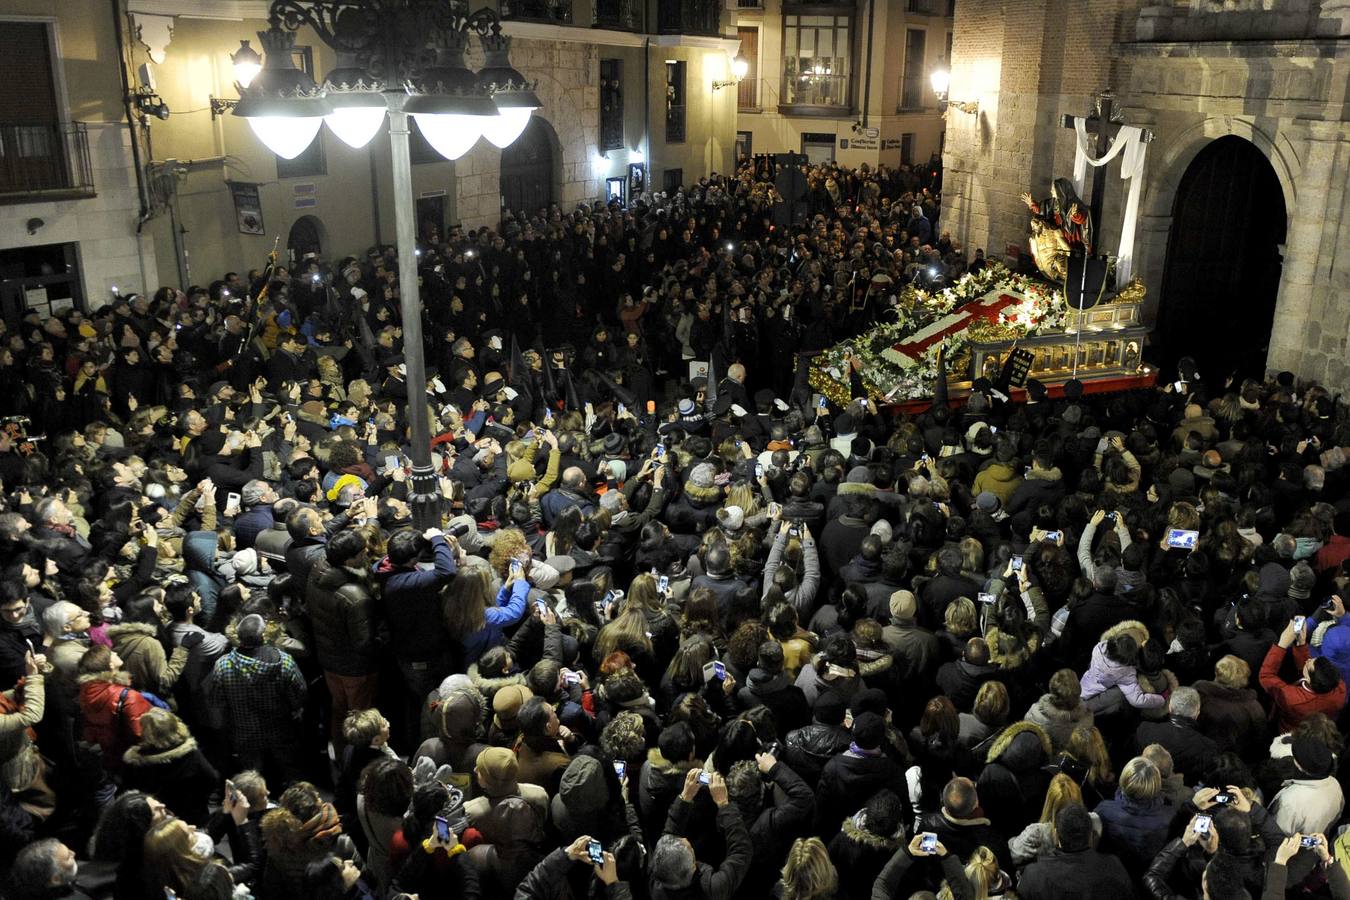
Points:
(1295, 702)
(104, 724)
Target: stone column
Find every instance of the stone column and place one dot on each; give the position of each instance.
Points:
(1295, 339)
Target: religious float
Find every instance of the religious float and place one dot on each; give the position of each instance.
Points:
(979, 322)
(1060, 324)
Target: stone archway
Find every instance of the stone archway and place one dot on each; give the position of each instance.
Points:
(307, 235)
(529, 169)
(1223, 266)
(1182, 139)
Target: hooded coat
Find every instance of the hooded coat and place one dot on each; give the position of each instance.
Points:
(143, 657)
(659, 783)
(1013, 783)
(1104, 673)
(111, 711)
(859, 856)
(1058, 724)
(1233, 718)
(1135, 830)
(775, 691)
(179, 776)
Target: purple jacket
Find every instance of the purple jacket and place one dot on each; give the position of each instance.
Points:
(1104, 674)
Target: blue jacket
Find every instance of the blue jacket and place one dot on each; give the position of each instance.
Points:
(1134, 831)
(412, 605)
(508, 611)
(1335, 646)
(248, 524)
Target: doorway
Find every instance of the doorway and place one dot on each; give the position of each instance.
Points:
(44, 279)
(818, 147)
(1223, 262)
(527, 170)
(431, 217)
(306, 236)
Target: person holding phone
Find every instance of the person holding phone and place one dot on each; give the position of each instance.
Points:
(473, 619)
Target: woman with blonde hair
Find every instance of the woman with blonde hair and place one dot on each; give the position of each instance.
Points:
(960, 623)
(181, 859)
(1038, 838)
(470, 618)
(1086, 761)
(168, 764)
(628, 632)
(808, 873)
(1136, 820)
(665, 633)
(985, 878)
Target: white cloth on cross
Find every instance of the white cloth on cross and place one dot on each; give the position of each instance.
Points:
(1130, 142)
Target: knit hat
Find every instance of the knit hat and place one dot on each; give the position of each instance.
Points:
(1301, 581)
(520, 470)
(582, 790)
(882, 529)
(731, 518)
(1313, 757)
(903, 605)
(506, 703)
(859, 475)
(703, 476)
(988, 502)
(345, 481)
(686, 407)
(497, 769)
(561, 564)
(245, 562)
(1181, 481)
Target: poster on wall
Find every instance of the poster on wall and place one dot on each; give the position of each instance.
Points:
(247, 207)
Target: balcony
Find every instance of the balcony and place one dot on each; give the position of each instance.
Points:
(749, 4)
(689, 17)
(620, 15)
(45, 162)
(555, 11)
(675, 124)
(818, 94)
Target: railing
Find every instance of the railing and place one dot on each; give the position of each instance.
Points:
(44, 159)
(749, 4)
(809, 89)
(931, 7)
(623, 15)
(611, 131)
(559, 11)
(689, 17)
(747, 94)
(675, 124)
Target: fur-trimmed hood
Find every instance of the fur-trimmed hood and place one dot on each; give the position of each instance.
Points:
(706, 496)
(855, 487)
(662, 766)
(125, 629)
(141, 755)
(122, 678)
(1133, 627)
(487, 685)
(862, 836)
(1004, 744)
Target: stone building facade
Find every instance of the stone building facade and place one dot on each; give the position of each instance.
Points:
(1273, 73)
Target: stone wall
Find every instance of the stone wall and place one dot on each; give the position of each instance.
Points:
(1191, 72)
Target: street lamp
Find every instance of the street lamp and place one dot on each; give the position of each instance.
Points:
(739, 67)
(941, 80)
(246, 63)
(384, 67)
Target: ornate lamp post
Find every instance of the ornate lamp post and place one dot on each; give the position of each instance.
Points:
(398, 58)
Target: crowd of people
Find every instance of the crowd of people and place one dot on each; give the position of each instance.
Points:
(667, 636)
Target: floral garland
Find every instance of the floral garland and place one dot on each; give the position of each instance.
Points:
(1039, 309)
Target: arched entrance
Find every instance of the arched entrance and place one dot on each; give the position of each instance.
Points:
(527, 169)
(1223, 262)
(306, 237)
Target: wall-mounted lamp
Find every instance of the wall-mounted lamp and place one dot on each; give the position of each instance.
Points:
(247, 63)
(739, 66)
(941, 80)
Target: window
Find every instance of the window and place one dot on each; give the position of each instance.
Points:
(911, 85)
(745, 143)
(672, 180)
(907, 147)
(747, 92)
(611, 104)
(29, 97)
(818, 147)
(817, 53)
(675, 101)
(311, 162)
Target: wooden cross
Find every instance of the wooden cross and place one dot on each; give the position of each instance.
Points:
(1103, 117)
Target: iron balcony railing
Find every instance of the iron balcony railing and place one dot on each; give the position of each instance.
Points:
(559, 11)
(621, 15)
(43, 159)
(813, 89)
(689, 17)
